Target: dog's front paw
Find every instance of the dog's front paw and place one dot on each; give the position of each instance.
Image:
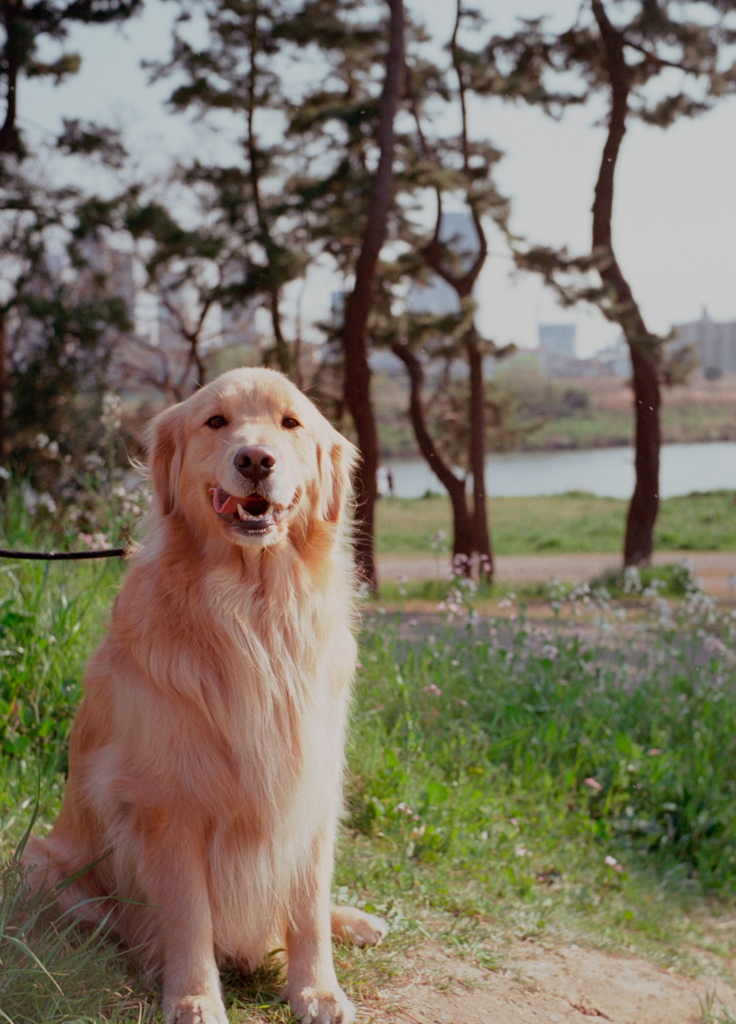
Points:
(321, 1006)
(196, 1010)
(356, 927)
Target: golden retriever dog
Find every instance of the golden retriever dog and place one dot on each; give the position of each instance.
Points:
(206, 759)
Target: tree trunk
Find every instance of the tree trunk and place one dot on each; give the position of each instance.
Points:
(639, 540)
(199, 364)
(3, 391)
(481, 532)
(358, 305)
(281, 346)
(12, 11)
(643, 346)
(463, 533)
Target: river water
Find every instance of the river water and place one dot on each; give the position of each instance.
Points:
(608, 472)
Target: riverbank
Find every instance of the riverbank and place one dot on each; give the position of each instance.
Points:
(601, 416)
(702, 411)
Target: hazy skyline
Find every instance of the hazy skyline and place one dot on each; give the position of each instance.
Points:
(675, 209)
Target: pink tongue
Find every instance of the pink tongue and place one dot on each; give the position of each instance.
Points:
(224, 503)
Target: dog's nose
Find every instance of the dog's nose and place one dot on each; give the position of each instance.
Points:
(255, 462)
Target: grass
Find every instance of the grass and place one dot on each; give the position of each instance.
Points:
(714, 1011)
(50, 615)
(515, 735)
(574, 522)
(506, 779)
(52, 972)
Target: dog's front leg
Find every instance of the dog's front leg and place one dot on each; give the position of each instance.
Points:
(313, 990)
(175, 885)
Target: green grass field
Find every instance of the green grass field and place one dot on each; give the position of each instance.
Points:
(566, 523)
(505, 778)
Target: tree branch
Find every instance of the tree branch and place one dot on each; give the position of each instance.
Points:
(655, 58)
(12, 12)
(428, 448)
(462, 283)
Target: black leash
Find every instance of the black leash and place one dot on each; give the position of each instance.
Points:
(64, 556)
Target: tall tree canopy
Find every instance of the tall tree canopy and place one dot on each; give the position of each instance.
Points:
(240, 81)
(25, 25)
(43, 316)
(361, 297)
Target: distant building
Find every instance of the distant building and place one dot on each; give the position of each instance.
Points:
(457, 232)
(614, 361)
(237, 320)
(557, 339)
(557, 349)
(338, 301)
(382, 360)
(107, 271)
(437, 297)
(714, 342)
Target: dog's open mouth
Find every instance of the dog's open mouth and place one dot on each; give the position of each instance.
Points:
(251, 513)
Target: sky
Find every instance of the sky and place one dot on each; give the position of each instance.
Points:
(675, 210)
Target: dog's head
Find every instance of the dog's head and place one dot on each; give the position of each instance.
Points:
(248, 456)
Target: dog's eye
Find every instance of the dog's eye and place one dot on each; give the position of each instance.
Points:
(290, 423)
(216, 422)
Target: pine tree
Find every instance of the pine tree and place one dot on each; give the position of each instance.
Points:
(348, 197)
(29, 213)
(360, 300)
(459, 167)
(239, 81)
(61, 322)
(655, 61)
(26, 24)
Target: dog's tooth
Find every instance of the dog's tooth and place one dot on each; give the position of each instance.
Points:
(241, 511)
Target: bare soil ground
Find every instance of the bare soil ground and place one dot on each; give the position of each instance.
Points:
(542, 984)
(716, 569)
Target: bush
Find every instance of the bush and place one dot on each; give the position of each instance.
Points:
(675, 580)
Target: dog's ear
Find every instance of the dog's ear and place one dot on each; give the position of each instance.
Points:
(165, 456)
(337, 461)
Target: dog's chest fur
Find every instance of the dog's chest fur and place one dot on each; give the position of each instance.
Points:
(249, 752)
(285, 727)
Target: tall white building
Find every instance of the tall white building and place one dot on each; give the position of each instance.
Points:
(557, 339)
(557, 349)
(714, 342)
(237, 321)
(437, 297)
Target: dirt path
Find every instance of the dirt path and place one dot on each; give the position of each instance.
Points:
(716, 569)
(546, 986)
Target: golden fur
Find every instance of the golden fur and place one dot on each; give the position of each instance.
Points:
(206, 759)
